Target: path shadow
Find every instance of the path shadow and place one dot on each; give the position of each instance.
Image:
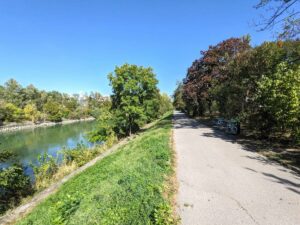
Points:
(247, 144)
(282, 180)
(182, 121)
(290, 185)
(279, 155)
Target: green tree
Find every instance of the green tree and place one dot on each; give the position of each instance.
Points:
(52, 110)
(178, 101)
(31, 112)
(2, 112)
(31, 95)
(165, 104)
(134, 98)
(278, 96)
(105, 126)
(13, 113)
(13, 92)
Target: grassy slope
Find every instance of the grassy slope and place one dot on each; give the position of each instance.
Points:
(124, 188)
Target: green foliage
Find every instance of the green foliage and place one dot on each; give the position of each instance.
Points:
(259, 86)
(5, 155)
(19, 103)
(163, 215)
(135, 98)
(278, 96)
(14, 185)
(105, 127)
(80, 155)
(31, 112)
(12, 93)
(52, 109)
(123, 188)
(178, 101)
(44, 170)
(165, 104)
(13, 113)
(2, 112)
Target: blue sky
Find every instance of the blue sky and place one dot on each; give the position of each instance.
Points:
(71, 45)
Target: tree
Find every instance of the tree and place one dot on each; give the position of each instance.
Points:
(258, 86)
(165, 104)
(278, 96)
(31, 95)
(13, 92)
(13, 113)
(209, 71)
(31, 112)
(134, 98)
(178, 101)
(284, 13)
(2, 112)
(52, 110)
(105, 126)
(21, 99)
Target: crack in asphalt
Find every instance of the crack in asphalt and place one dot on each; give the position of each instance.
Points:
(243, 208)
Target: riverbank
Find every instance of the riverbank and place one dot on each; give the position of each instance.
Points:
(133, 177)
(29, 125)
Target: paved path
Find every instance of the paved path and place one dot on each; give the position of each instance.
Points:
(220, 183)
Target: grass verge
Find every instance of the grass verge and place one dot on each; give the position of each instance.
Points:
(127, 187)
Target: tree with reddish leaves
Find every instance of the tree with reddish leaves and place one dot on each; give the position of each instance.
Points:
(211, 69)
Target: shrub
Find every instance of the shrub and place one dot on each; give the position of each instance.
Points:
(14, 185)
(44, 170)
(278, 96)
(80, 155)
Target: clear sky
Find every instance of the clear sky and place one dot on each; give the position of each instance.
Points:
(71, 45)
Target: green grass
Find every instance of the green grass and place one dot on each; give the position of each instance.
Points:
(124, 188)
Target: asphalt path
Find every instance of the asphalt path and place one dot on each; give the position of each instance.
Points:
(222, 183)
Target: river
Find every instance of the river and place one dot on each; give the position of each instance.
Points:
(28, 144)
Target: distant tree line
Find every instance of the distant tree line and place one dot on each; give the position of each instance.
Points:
(259, 86)
(19, 103)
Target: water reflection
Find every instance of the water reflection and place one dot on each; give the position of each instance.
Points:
(28, 144)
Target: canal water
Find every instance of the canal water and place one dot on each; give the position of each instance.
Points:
(28, 144)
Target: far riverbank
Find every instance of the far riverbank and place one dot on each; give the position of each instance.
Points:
(30, 125)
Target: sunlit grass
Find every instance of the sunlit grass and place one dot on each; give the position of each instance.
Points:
(124, 188)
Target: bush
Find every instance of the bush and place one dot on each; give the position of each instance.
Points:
(278, 96)
(45, 169)
(5, 155)
(80, 155)
(14, 185)
(104, 130)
